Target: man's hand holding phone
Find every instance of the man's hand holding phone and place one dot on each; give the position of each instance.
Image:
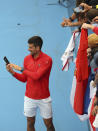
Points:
(9, 69)
(10, 66)
(16, 67)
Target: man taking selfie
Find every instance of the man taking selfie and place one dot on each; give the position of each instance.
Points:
(35, 72)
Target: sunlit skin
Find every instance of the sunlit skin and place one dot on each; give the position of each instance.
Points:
(35, 51)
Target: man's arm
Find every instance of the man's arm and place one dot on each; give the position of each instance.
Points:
(20, 77)
(40, 72)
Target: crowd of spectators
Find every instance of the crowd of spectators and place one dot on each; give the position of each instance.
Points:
(85, 16)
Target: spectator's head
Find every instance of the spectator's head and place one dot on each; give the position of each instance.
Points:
(96, 58)
(89, 55)
(93, 40)
(94, 62)
(81, 16)
(91, 14)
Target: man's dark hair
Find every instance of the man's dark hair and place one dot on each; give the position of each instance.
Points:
(94, 50)
(36, 41)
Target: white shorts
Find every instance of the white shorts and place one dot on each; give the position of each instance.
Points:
(31, 106)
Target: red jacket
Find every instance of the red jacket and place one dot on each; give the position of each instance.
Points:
(36, 73)
(95, 30)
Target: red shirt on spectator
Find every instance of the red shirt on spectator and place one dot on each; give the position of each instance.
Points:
(36, 73)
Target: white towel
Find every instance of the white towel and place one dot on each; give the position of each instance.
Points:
(67, 57)
(92, 90)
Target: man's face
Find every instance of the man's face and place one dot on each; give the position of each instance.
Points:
(32, 49)
(89, 53)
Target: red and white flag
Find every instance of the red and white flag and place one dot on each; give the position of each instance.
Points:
(81, 73)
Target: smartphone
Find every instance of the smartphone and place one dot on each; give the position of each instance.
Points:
(6, 60)
(78, 9)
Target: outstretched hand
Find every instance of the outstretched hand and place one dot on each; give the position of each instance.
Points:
(86, 7)
(64, 24)
(87, 26)
(16, 67)
(9, 69)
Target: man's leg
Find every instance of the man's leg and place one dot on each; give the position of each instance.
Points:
(49, 124)
(30, 123)
(30, 107)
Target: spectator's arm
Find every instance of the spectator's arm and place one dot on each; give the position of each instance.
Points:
(87, 26)
(73, 17)
(86, 7)
(95, 30)
(78, 23)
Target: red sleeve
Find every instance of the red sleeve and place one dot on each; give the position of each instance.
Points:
(95, 30)
(21, 77)
(40, 72)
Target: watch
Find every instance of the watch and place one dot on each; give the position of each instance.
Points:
(22, 69)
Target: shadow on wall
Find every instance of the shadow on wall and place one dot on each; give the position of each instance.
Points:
(64, 3)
